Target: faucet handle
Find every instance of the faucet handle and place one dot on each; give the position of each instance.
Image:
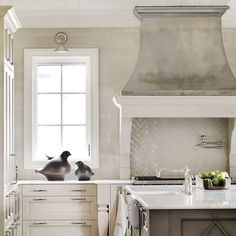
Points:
(186, 171)
(158, 173)
(203, 137)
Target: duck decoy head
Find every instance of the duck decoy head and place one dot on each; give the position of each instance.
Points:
(79, 163)
(65, 154)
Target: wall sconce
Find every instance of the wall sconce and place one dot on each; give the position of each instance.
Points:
(61, 39)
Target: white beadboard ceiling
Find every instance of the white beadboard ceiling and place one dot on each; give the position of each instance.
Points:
(98, 13)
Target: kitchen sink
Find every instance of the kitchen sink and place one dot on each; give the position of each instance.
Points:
(158, 192)
(154, 190)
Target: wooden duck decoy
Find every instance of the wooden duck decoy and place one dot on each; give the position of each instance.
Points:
(56, 168)
(83, 172)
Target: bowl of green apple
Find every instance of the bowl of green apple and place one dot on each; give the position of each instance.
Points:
(215, 179)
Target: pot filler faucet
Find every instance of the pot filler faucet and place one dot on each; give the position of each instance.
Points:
(206, 144)
(187, 178)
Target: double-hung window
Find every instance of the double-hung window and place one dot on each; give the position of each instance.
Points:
(61, 106)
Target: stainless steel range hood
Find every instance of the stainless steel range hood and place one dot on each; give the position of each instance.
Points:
(181, 53)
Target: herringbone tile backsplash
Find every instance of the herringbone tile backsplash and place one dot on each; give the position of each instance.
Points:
(169, 143)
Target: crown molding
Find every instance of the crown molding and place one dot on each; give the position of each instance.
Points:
(82, 19)
(11, 20)
(159, 11)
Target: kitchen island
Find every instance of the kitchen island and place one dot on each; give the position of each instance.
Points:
(167, 210)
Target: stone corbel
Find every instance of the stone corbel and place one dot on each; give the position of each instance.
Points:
(125, 142)
(232, 149)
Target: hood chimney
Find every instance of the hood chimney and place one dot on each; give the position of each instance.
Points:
(181, 53)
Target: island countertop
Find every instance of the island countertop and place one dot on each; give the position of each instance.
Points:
(173, 197)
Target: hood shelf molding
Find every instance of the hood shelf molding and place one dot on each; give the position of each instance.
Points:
(171, 107)
(176, 106)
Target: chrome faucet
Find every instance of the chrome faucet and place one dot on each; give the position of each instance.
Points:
(206, 144)
(188, 184)
(185, 171)
(187, 178)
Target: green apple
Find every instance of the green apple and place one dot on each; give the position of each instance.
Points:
(212, 174)
(221, 176)
(216, 182)
(203, 174)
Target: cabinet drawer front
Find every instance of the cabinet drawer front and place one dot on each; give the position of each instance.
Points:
(60, 228)
(57, 208)
(59, 190)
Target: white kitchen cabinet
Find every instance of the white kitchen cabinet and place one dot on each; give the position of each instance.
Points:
(107, 207)
(10, 157)
(41, 190)
(60, 228)
(52, 208)
(65, 209)
(103, 192)
(8, 166)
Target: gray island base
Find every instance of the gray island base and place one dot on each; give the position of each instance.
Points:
(191, 223)
(168, 211)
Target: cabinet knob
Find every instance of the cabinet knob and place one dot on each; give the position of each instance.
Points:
(39, 190)
(15, 224)
(13, 181)
(13, 193)
(40, 223)
(39, 199)
(79, 199)
(78, 223)
(78, 190)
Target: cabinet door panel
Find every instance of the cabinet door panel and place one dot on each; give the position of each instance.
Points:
(9, 162)
(203, 222)
(59, 208)
(202, 227)
(60, 228)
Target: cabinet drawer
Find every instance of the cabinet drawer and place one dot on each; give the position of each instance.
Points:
(60, 228)
(58, 208)
(59, 190)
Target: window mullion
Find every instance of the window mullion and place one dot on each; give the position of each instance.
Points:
(61, 108)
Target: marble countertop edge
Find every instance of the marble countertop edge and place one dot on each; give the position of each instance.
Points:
(200, 199)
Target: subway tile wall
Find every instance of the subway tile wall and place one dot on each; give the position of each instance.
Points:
(171, 143)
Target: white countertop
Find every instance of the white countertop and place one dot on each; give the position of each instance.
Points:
(106, 181)
(172, 197)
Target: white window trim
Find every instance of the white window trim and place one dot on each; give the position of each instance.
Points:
(31, 56)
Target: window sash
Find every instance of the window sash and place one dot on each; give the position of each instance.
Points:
(61, 93)
(89, 57)
(62, 124)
